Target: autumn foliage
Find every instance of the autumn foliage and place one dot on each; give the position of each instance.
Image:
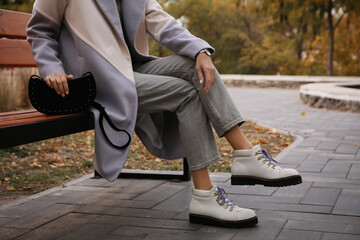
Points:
(274, 36)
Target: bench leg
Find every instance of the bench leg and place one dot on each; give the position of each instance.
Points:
(186, 176)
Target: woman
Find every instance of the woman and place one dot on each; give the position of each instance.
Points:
(170, 101)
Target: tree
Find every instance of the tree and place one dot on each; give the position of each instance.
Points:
(17, 5)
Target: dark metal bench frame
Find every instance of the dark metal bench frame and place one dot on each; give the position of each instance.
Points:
(31, 126)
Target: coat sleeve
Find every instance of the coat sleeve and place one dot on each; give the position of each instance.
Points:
(164, 29)
(43, 30)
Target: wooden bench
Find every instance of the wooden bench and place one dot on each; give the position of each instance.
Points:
(27, 126)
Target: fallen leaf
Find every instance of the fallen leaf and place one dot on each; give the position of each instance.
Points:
(10, 189)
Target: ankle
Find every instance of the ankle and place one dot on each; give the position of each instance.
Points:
(204, 187)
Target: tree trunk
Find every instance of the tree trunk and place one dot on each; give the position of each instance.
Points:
(329, 70)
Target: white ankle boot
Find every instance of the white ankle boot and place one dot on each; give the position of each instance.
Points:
(256, 166)
(213, 207)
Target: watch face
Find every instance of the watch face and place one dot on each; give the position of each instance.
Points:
(207, 52)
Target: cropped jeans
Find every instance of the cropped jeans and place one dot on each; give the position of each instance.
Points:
(171, 84)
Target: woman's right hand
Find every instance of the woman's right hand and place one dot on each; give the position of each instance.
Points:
(58, 82)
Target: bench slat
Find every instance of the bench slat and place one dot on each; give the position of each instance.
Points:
(54, 126)
(16, 113)
(27, 118)
(16, 53)
(13, 24)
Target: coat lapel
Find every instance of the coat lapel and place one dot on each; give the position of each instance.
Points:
(109, 8)
(133, 12)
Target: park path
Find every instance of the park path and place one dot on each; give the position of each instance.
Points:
(325, 206)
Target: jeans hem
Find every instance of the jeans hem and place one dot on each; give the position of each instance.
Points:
(205, 164)
(227, 127)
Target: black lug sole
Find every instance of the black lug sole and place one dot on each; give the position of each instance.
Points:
(205, 220)
(282, 182)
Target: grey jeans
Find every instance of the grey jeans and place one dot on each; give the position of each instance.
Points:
(171, 84)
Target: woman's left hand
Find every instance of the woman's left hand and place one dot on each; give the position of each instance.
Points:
(205, 70)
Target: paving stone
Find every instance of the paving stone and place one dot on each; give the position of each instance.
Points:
(297, 191)
(302, 216)
(160, 193)
(309, 143)
(26, 208)
(41, 217)
(313, 164)
(294, 157)
(120, 238)
(354, 171)
(336, 236)
(338, 167)
(4, 220)
(328, 146)
(89, 231)
(348, 203)
(264, 199)
(78, 188)
(137, 186)
(323, 227)
(114, 202)
(336, 134)
(327, 177)
(58, 227)
(190, 236)
(213, 229)
(321, 196)
(147, 222)
(247, 190)
(141, 232)
(11, 233)
(158, 233)
(92, 182)
(184, 215)
(267, 228)
(131, 212)
(74, 197)
(337, 185)
(178, 202)
(223, 177)
(347, 149)
(283, 206)
(287, 234)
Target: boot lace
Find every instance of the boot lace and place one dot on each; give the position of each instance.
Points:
(267, 158)
(223, 199)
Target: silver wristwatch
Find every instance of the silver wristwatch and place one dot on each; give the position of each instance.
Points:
(205, 50)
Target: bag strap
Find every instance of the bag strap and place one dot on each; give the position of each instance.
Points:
(103, 114)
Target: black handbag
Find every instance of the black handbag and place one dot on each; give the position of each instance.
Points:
(82, 93)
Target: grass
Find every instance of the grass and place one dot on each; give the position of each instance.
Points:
(34, 167)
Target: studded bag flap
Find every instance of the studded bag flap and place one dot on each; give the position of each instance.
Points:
(82, 93)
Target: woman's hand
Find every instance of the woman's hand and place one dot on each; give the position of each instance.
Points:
(58, 82)
(205, 68)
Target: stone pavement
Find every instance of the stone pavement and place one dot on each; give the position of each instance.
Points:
(325, 206)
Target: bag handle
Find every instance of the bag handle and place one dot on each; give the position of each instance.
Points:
(103, 114)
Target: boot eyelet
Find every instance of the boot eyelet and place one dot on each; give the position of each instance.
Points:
(255, 154)
(231, 209)
(259, 158)
(273, 167)
(263, 162)
(267, 165)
